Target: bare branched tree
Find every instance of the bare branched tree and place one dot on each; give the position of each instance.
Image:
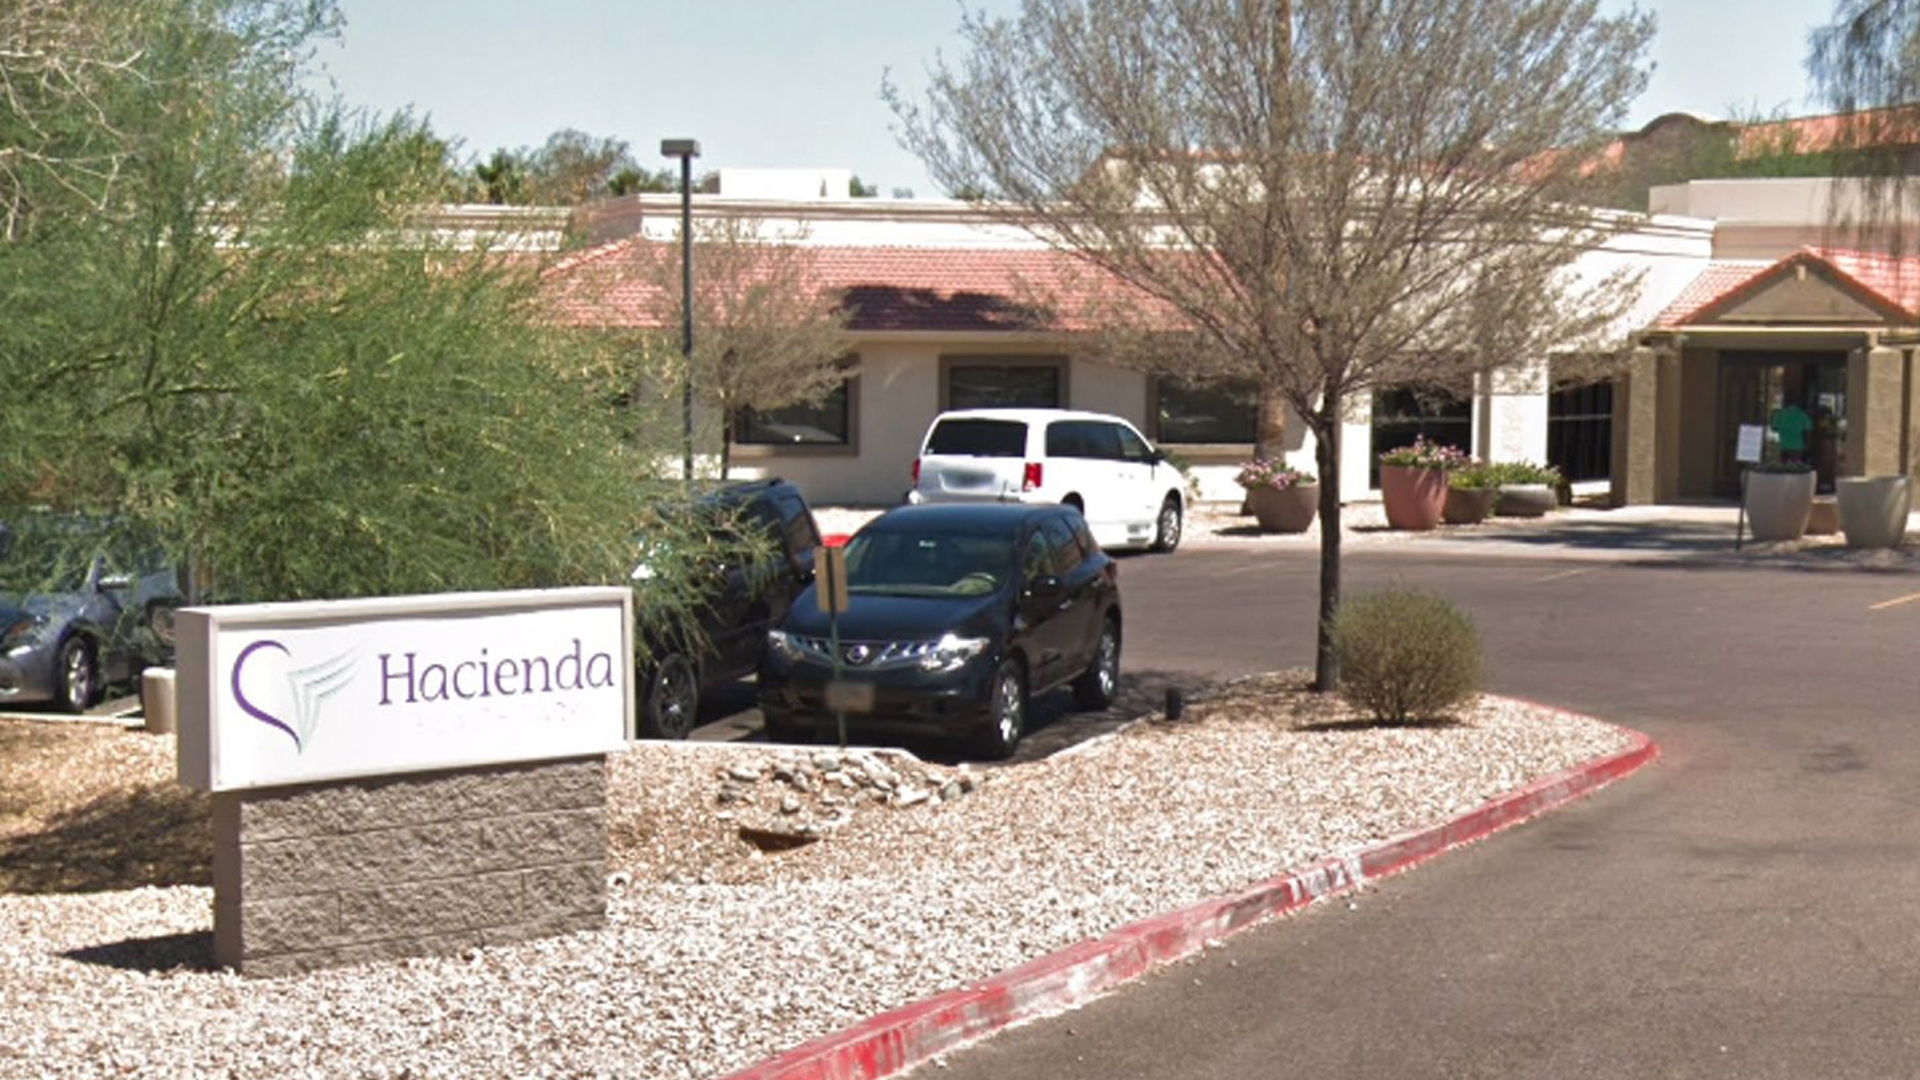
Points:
(767, 334)
(1320, 196)
(1866, 63)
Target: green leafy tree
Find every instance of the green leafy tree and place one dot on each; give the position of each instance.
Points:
(246, 339)
(1866, 63)
(1317, 196)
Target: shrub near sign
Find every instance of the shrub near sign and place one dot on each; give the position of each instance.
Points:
(276, 694)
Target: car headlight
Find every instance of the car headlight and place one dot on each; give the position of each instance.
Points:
(784, 645)
(21, 632)
(951, 652)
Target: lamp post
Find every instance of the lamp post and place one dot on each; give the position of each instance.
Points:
(686, 150)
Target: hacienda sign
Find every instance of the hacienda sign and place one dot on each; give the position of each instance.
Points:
(274, 694)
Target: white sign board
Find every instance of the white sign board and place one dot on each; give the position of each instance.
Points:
(1748, 447)
(275, 694)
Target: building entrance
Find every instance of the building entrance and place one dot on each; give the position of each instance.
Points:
(1763, 388)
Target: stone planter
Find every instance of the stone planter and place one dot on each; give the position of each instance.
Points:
(1778, 504)
(1526, 500)
(1413, 498)
(1873, 510)
(1284, 511)
(1468, 506)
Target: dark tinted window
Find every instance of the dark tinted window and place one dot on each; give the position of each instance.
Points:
(1223, 413)
(1003, 386)
(1073, 439)
(979, 438)
(822, 423)
(909, 563)
(1060, 539)
(1439, 416)
(1132, 447)
(798, 526)
(1039, 557)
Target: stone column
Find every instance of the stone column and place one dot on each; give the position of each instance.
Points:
(1636, 412)
(1874, 407)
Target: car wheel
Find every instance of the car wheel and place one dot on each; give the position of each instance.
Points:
(1167, 527)
(672, 704)
(1100, 683)
(1006, 712)
(79, 675)
(1074, 501)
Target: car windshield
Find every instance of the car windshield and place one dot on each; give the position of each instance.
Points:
(38, 559)
(979, 438)
(920, 564)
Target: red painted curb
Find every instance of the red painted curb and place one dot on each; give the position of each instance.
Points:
(911, 1034)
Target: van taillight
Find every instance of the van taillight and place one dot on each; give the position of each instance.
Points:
(1032, 480)
(916, 472)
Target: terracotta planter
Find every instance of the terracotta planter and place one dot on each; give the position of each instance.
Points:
(1414, 498)
(1288, 511)
(1526, 500)
(1468, 506)
(1778, 504)
(1874, 509)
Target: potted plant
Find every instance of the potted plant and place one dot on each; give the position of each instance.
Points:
(1527, 489)
(1874, 509)
(1282, 498)
(1470, 494)
(1413, 482)
(1779, 499)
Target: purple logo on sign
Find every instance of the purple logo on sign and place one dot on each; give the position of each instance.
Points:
(307, 687)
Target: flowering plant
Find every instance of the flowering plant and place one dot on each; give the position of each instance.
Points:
(1278, 475)
(1426, 455)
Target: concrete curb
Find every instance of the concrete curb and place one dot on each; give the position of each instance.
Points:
(907, 1036)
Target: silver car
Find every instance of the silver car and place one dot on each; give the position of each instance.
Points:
(79, 612)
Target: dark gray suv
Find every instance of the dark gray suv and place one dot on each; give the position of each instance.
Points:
(743, 597)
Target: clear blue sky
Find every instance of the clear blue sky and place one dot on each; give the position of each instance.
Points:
(785, 83)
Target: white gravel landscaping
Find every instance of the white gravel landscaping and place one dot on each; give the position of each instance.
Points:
(717, 956)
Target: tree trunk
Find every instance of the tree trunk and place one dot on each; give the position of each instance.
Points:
(726, 442)
(1325, 423)
(1270, 427)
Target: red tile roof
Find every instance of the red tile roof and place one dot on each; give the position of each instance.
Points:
(887, 288)
(1885, 281)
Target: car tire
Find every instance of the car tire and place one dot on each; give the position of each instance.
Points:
(79, 675)
(1006, 712)
(670, 706)
(1169, 526)
(1097, 686)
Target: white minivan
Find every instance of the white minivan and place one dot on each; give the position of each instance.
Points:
(1129, 493)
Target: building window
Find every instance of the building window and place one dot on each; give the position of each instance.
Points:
(1580, 430)
(1400, 416)
(1227, 412)
(1004, 383)
(827, 422)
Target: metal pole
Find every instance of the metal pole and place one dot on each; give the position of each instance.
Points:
(686, 317)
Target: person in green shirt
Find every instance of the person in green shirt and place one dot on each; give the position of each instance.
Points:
(1791, 423)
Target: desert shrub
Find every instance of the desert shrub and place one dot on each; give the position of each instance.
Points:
(1406, 656)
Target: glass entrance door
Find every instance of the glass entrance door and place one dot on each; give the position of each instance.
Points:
(1755, 388)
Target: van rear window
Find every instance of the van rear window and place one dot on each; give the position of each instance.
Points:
(979, 438)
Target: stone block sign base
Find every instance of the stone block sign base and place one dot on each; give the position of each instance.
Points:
(320, 875)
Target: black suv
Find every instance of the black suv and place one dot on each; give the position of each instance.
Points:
(744, 599)
(956, 615)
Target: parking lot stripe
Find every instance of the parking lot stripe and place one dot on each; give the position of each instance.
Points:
(1895, 602)
(1566, 574)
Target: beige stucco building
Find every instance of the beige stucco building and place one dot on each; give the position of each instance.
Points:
(1784, 313)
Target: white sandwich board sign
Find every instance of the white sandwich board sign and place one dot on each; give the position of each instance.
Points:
(273, 694)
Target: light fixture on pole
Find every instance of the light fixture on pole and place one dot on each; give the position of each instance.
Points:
(686, 150)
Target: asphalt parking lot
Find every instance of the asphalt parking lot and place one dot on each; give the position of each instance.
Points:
(1744, 909)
